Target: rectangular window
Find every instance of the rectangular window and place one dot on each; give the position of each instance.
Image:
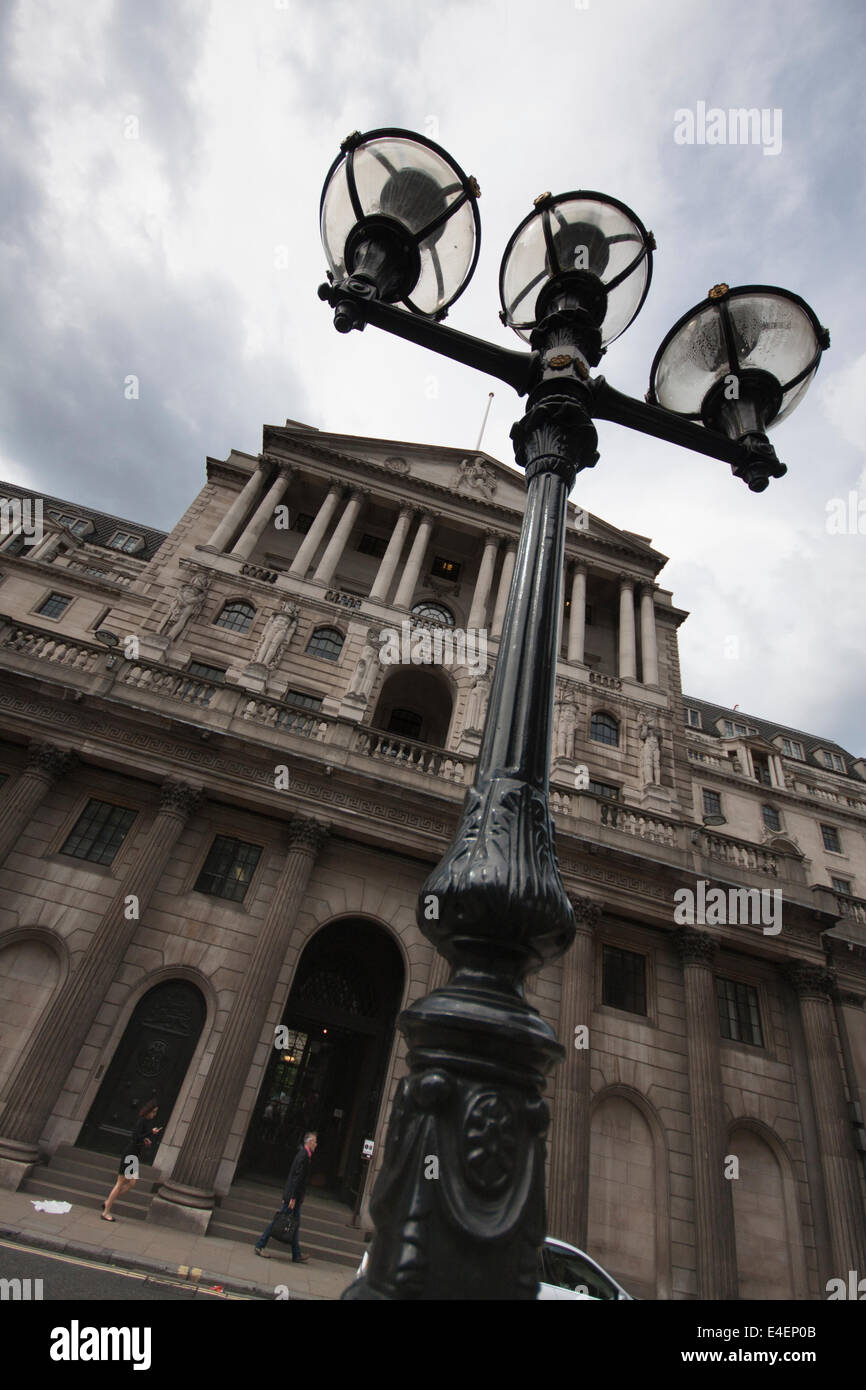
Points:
(842, 885)
(372, 545)
(53, 606)
(692, 717)
(605, 789)
(228, 869)
(443, 568)
(205, 672)
(834, 762)
(831, 839)
(712, 803)
(739, 1017)
(623, 980)
(124, 540)
(791, 748)
(99, 832)
(762, 770)
(302, 700)
(772, 819)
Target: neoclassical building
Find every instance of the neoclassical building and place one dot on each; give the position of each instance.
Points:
(220, 801)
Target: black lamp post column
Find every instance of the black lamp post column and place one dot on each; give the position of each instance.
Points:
(459, 1206)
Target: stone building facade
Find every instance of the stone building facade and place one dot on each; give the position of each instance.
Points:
(219, 803)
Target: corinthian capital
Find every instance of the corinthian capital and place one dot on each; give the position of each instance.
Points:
(807, 979)
(50, 760)
(179, 799)
(587, 913)
(694, 947)
(307, 836)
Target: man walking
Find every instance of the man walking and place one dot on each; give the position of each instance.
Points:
(293, 1196)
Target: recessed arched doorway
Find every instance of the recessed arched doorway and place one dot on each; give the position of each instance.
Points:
(150, 1061)
(338, 1028)
(415, 702)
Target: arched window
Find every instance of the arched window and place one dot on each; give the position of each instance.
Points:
(327, 643)
(237, 616)
(433, 613)
(406, 722)
(604, 729)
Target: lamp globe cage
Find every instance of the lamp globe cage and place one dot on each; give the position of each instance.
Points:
(399, 220)
(590, 247)
(740, 361)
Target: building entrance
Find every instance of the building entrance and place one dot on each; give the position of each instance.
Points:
(329, 1070)
(150, 1062)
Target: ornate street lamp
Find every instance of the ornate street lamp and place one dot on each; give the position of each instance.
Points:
(459, 1205)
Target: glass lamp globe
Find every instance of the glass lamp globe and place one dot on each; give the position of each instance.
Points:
(586, 240)
(754, 344)
(398, 212)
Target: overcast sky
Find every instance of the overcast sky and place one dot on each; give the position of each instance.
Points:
(161, 172)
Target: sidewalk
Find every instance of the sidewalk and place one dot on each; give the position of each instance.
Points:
(152, 1249)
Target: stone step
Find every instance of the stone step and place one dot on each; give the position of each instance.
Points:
(258, 1208)
(346, 1242)
(316, 1246)
(133, 1205)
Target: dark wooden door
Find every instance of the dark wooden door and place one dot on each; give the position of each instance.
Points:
(150, 1062)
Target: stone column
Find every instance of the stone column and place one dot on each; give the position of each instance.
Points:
(714, 1207)
(63, 1028)
(248, 494)
(814, 987)
(312, 540)
(391, 558)
(577, 615)
(337, 544)
(478, 611)
(45, 764)
(627, 651)
(504, 587)
(648, 640)
(412, 569)
(568, 1205)
(263, 516)
(187, 1199)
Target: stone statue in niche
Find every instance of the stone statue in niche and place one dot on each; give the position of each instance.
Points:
(187, 604)
(277, 634)
(650, 757)
(566, 727)
(476, 702)
(366, 669)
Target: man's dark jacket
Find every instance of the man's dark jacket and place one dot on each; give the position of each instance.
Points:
(296, 1182)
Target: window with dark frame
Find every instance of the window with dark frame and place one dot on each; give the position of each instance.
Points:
(623, 980)
(604, 729)
(433, 613)
(841, 885)
(772, 819)
(54, 606)
(99, 832)
(712, 803)
(405, 722)
(228, 869)
(830, 836)
(443, 568)
(237, 616)
(762, 770)
(739, 1015)
(301, 700)
(372, 545)
(605, 789)
(206, 673)
(326, 643)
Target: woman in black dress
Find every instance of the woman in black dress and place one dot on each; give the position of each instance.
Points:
(127, 1171)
